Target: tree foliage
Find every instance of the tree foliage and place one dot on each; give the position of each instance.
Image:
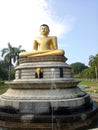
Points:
(11, 55)
(78, 67)
(3, 70)
(93, 62)
(82, 71)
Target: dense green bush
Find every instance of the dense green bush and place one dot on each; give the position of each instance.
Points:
(1, 81)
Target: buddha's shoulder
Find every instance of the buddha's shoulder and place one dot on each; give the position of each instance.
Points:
(46, 37)
(53, 37)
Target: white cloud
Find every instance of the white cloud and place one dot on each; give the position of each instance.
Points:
(20, 21)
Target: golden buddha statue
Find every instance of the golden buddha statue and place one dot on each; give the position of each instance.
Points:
(44, 45)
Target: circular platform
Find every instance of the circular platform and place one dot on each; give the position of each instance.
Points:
(42, 59)
(43, 83)
(53, 94)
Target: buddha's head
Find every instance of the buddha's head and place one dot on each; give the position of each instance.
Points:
(44, 29)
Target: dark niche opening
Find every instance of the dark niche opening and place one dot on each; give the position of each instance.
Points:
(19, 74)
(61, 72)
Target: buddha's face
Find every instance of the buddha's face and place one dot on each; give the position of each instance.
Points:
(44, 30)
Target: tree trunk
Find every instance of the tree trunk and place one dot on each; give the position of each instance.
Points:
(9, 73)
(96, 72)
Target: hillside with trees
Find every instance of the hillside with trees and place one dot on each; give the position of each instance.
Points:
(88, 72)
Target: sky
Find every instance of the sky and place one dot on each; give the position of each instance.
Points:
(74, 22)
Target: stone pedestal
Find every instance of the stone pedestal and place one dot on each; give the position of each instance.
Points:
(43, 95)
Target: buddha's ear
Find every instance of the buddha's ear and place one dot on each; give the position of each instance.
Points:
(49, 31)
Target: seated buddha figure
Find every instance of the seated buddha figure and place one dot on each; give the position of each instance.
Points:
(44, 45)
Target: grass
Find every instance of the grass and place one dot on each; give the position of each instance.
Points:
(92, 85)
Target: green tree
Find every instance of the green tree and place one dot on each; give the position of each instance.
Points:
(11, 55)
(16, 53)
(87, 73)
(93, 62)
(3, 70)
(78, 67)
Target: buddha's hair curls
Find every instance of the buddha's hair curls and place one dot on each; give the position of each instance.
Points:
(45, 25)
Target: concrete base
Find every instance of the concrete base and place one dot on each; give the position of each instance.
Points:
(74, 121)
(30, 109)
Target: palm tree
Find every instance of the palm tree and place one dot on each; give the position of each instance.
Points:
(11, 55)
(93, 62)
(16, 53)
